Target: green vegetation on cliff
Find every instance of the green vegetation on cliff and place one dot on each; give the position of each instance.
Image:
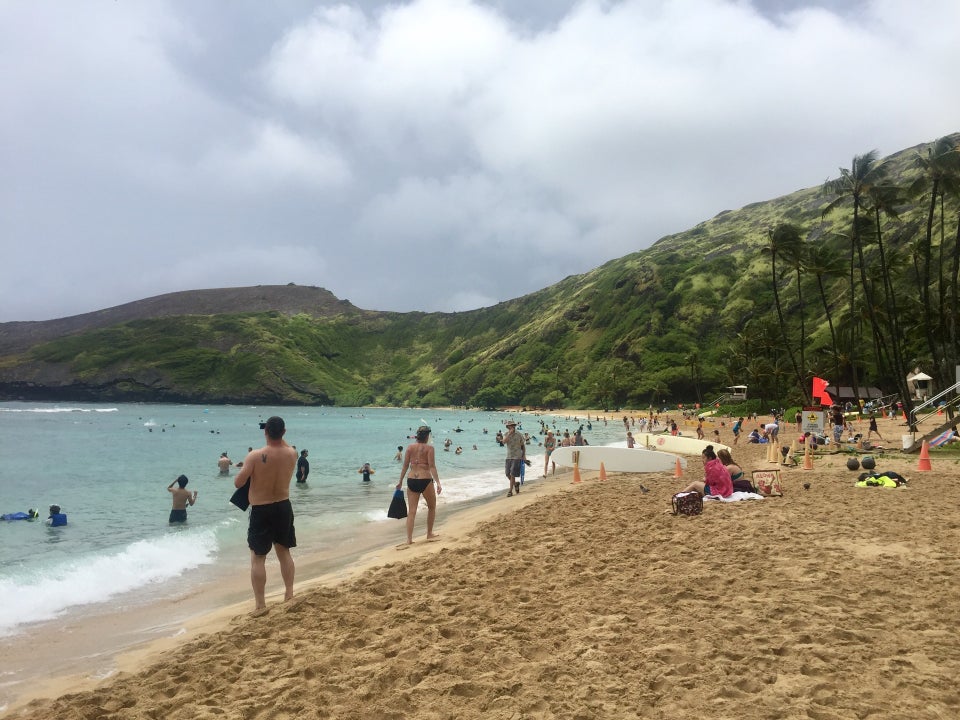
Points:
(820, 282)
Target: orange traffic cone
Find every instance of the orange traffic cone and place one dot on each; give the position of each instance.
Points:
(603, 472)
(677, 470)
(924, 464)
(807, 459)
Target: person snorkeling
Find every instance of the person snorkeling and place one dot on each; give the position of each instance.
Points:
(30, 514)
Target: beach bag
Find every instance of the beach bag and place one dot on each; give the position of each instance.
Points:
(398, 506)
(743, 485)
(241, 496)
(688, 503)
(767, 482)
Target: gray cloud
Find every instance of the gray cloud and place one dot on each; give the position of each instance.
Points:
(426, 155)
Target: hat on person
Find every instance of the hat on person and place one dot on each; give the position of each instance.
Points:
(511, 423)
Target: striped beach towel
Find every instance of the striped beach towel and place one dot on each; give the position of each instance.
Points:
(941, 439)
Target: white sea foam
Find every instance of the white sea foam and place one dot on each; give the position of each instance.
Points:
(45, 593)
(56, 410)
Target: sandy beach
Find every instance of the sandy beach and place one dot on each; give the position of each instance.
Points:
(589, 600)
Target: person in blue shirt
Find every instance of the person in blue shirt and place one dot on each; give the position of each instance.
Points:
(57, 518)
(31, 514)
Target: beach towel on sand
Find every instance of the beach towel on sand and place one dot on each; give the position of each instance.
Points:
(736, 497)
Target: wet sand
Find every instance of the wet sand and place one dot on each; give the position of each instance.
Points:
(591, 601)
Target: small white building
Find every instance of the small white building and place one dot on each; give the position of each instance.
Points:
(920, 384)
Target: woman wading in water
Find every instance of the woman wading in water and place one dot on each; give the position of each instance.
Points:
(419, 459)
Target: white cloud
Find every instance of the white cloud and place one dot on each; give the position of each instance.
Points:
(272, 157)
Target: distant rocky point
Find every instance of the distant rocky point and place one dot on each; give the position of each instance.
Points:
(286, 299)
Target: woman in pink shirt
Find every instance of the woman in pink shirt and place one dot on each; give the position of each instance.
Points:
(716, 479)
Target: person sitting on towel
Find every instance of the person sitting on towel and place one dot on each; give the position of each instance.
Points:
(716, 478)
(740, 483)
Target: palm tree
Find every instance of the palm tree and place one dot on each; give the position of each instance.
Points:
(852, 186)
(940, 164)
(693, 362)
(785, 239)
(885, 199)
(825, 262)
(796, 255)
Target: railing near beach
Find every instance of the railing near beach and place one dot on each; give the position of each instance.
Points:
(941, 402)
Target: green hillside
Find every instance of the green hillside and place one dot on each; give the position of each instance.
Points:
(677, 322)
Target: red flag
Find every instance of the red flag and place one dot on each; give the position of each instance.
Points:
(820, 390)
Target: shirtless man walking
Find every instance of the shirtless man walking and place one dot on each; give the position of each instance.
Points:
(270, 470)
(516, 455)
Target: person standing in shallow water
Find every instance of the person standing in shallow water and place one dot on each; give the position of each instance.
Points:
(181, 498)
(420, 460)
(549, 445)
(224, 464)
(270, 470)
(303, 467)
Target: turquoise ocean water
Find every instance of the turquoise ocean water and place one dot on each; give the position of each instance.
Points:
(108, 467)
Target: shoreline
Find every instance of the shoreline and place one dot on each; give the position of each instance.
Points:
(472, 545)
(156, 636)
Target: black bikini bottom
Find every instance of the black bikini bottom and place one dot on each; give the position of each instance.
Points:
(418, 485)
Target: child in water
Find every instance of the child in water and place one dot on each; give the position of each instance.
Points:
(57, 518)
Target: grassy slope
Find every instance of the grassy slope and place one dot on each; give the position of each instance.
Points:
(624, 333)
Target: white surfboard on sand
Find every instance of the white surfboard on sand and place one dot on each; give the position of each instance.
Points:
(679, 444)
(615, 459)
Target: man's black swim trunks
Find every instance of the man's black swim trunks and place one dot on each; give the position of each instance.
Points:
(271, 524)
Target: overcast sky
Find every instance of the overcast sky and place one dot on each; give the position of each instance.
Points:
(425, 155)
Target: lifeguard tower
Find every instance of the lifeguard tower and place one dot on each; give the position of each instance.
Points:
(737, 392)
(734, 393)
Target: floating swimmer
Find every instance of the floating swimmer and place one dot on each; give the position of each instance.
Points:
(30, 514)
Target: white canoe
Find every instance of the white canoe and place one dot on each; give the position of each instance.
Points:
(679, 444)
(615, 459)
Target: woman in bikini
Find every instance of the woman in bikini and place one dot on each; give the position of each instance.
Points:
(736, 472)
(419, 459)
